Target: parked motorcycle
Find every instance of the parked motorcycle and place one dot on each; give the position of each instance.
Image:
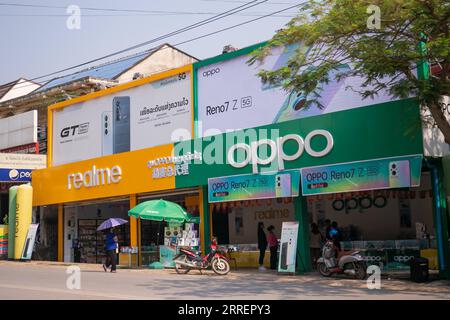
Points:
(189, 259)
(348, 263)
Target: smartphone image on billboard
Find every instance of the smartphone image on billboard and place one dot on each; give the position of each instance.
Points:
(283, 185)
(399, 174)
(293, 106)
(281, 61)
(121, 124)
(284, 256)
(107, 133)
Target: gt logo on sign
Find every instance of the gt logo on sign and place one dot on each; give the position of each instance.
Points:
(277, 150)
(76, 129)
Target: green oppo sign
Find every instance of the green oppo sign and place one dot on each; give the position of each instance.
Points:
(377, 131)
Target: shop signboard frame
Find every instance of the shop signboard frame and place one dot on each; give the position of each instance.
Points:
(277, 184)
(160, 105)
(249, 102)
(372, 174)
(358, 134)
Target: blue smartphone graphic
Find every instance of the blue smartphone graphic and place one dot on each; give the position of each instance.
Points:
(121, 124)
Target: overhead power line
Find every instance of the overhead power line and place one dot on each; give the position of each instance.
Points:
(214, 32)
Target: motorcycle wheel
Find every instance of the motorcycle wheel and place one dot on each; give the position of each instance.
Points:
(360, 270)
(180, 269)
(323, 270)
(220, 266)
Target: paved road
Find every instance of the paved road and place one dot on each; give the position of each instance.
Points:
(48, 281)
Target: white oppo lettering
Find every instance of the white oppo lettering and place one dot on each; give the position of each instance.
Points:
(94, 177)
(277, 151)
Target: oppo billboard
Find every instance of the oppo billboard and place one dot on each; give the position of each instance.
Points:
(123, 120)
(231, 96)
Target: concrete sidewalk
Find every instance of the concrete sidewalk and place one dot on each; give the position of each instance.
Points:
(47, 280)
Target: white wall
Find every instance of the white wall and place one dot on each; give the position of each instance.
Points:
(273, 214)
(18, 130)
(21, 88)
(164, 59)
(434, 144)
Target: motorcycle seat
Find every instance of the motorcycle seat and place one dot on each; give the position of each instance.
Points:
(345, 253)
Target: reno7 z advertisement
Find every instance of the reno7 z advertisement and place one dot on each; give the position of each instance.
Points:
(140, 117)
(231, 96)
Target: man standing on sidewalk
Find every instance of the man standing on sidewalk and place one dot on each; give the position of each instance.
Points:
(111, 251)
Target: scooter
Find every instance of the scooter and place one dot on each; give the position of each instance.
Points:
(189, 259)
(348, 263)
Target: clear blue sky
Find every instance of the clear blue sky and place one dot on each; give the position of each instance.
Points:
(36, 41)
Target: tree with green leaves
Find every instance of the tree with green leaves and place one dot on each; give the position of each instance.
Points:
(391, 44)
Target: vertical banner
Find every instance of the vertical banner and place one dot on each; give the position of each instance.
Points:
(29, 242)
(23, 217)
(12, 220)
(288, 247)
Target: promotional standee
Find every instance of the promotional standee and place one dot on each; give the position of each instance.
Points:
(288, 247)
(29, 242)
(24, 207)
(12, 220)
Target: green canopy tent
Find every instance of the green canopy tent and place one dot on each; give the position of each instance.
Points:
(162, 210)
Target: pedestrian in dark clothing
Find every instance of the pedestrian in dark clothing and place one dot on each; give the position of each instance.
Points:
(273, 246)
(262, 245)
(315, 243)
(111, 247)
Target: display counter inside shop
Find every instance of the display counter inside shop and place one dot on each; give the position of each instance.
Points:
(246, 255)
(392, 255)
(389, 255)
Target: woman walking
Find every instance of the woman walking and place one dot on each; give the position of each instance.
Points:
(111, 247)
(273, 246)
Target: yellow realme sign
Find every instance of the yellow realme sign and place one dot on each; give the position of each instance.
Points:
(116, 175)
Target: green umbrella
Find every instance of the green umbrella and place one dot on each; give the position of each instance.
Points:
(161, 210)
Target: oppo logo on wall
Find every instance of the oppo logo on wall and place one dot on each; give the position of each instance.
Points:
(277, 150)
(94, 177)
(210, 72)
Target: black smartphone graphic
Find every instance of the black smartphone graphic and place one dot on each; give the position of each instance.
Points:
(283, 258)
(121, 124)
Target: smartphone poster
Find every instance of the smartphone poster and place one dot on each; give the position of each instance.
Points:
(154, 113)
(288, 247)
(29, 242)
(279, 184)
(386, 173)
(249, 102)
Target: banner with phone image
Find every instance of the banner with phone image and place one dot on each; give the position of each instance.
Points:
(280, 184)
(29, 242)
(396, 172)
(149, 114)
(248, 102)
(288, 247)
